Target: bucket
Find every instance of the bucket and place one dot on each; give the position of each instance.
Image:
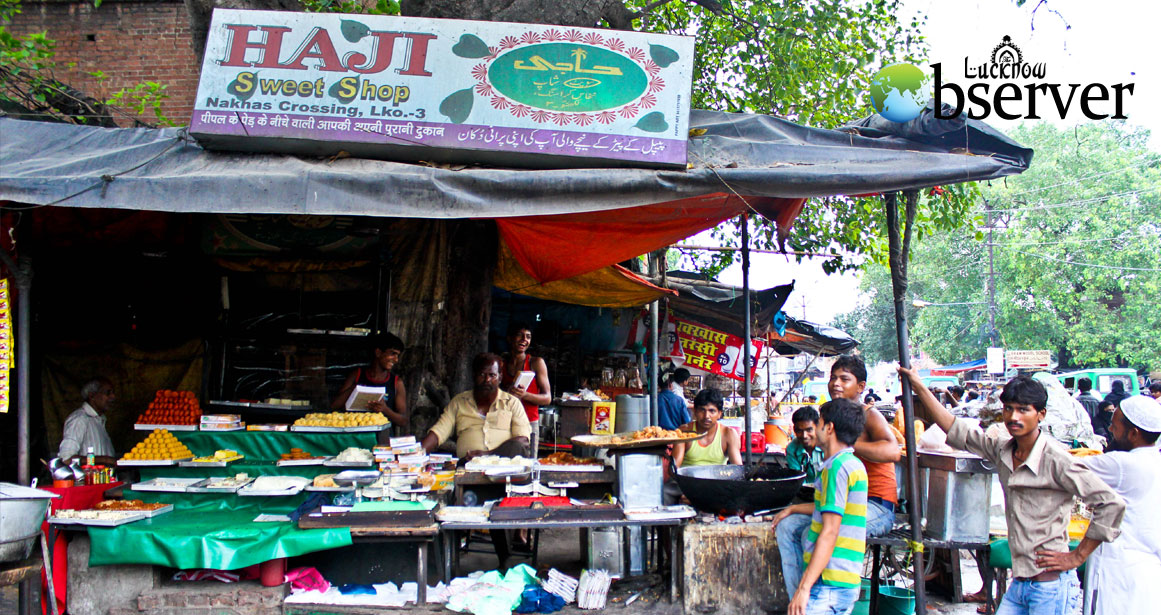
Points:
(272, 573)
(896, 600)
(632, 413)
(775, 434)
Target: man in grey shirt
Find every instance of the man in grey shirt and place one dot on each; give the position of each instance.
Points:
(85, 427)
(1089, 401)
(1040, 479)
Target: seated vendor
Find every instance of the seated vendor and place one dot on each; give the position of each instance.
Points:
(719, 444)
(484, 420)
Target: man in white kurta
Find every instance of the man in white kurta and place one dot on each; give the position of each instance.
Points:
(1124, 576)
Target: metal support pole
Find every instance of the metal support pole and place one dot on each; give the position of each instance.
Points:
(747, 331)
(899, 249)
(992, 333)
(654, 353)
(23, 277)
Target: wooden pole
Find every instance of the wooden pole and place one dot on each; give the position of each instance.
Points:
(900, 248)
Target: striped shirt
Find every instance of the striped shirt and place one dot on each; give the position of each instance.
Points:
(841, 489)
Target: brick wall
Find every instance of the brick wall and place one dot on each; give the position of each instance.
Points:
(130, 41)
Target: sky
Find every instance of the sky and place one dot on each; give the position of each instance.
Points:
(1109, 41)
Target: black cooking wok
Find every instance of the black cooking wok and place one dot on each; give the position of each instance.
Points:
(724, 489)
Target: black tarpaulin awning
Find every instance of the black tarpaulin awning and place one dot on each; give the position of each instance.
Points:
(753, 155)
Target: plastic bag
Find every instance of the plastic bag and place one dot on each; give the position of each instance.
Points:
(536, 600)
(493, 593)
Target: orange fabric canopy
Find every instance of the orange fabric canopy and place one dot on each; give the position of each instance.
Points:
(612, 286)
(557, 247)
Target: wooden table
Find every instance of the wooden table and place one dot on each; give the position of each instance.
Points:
(372, 526)
(450, 555)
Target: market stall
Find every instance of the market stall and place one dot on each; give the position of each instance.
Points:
(609, 215)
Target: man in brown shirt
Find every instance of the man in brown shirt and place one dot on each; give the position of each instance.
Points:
(1039, 479)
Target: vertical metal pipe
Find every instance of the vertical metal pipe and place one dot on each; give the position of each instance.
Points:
(22, 274)
(899, 249)
(654, 353)
(23, 366)
(746, 331)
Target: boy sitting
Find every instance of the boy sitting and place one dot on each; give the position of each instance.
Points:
(802, 454)
(835, 542)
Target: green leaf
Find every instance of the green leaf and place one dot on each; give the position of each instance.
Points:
(470, 46)
(353, 31)
(663, 56)
(458, 105)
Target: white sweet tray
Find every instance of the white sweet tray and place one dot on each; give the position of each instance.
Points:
(152, 485)
(318, 461)
(250, 491)
(203, 486)
(146, 463)
(577, 468)
(146, 427)
(129, 517)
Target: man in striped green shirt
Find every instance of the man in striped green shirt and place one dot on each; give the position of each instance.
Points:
(834, 544)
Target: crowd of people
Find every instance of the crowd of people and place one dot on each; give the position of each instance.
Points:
(847, 451)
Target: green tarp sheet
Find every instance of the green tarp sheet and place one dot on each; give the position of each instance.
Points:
(269, 445)
(210, 531)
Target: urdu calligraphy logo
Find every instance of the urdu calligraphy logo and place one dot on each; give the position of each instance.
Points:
(566, 77)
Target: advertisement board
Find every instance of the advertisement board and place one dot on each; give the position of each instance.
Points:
(442, 89)
(711, 351)
(1028, 359)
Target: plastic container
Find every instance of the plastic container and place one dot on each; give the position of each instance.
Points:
(896, 600)
(273, 572)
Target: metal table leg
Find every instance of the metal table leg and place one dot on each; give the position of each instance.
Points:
(448, 544)
(673, 572)
(986, 574)
(421, 575)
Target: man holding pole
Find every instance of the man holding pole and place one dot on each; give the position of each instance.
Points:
(1040, 479)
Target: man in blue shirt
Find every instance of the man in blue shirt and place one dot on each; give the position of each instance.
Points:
(672, 411)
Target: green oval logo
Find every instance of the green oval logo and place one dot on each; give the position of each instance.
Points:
(567, 77)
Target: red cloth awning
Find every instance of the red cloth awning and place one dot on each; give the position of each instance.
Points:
(561, 246)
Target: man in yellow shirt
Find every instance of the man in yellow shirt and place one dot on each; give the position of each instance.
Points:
(484, 420)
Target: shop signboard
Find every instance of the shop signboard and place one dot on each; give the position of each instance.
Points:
(441, 89)
(712, 351)
(995, 360)
(1028, 359)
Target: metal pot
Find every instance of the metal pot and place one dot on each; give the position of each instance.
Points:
(725, 489)
(22, 511)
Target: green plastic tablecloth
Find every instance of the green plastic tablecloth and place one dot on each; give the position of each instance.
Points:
(210, 531)
(269, 445)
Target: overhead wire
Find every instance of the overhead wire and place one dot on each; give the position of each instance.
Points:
(1085, 178)
(1078, 202)
(1078, 264)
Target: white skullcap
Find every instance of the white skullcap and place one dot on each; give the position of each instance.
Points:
(1143, 411)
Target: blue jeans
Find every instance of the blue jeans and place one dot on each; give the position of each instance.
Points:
(791, 532)
(880, 519)
(828, 600)
(1057, 597)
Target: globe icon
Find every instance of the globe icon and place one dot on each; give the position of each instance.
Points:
(899, 92)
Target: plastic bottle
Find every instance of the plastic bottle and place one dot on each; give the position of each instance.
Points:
(90, 458)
